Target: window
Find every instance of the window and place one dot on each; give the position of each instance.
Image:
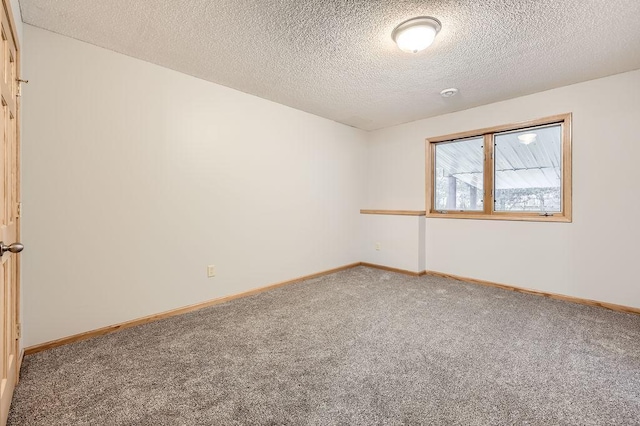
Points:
(513, 172)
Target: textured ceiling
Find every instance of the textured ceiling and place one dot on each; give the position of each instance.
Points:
(336, 59)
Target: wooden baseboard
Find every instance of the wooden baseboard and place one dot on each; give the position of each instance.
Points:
(155, 317)
(612, 306)
(390, 269)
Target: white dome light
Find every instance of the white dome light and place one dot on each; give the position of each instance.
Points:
(416, 34)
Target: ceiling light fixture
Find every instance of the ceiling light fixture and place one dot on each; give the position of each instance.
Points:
(416, 34)
(447, 93)
(527, 138)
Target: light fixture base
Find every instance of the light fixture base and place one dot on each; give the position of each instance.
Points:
(414, 25)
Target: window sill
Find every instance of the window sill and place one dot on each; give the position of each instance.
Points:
(501, 216)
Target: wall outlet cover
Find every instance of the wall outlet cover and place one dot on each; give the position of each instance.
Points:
(211, 271)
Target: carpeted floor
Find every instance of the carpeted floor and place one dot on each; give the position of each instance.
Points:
(359, 347)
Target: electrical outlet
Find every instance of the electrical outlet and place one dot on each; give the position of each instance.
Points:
(211, 271)
(378, 246)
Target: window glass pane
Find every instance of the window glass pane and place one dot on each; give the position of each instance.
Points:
(459, 175)
(528, 170)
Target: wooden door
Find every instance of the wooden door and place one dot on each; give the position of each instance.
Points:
(9, 211)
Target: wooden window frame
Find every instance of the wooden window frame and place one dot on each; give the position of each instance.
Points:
(489, 213)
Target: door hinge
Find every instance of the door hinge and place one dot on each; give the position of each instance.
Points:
(20, 81)
(18, 330)
(19, 210)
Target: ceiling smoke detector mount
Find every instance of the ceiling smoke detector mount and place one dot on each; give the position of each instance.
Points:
(447, 93)
(416, 34)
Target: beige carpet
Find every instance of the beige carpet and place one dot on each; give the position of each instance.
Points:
(359, 347)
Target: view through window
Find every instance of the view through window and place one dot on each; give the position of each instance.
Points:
(460, 175)
(528, 172)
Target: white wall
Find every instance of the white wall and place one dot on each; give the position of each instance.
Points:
(400, 239)
(137, 177)
(595, 257)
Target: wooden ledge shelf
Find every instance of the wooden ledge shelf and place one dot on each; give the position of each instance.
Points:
(395, 212)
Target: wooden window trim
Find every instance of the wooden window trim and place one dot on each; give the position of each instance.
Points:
(488, 133)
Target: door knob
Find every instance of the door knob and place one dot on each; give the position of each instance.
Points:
(13, 248)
